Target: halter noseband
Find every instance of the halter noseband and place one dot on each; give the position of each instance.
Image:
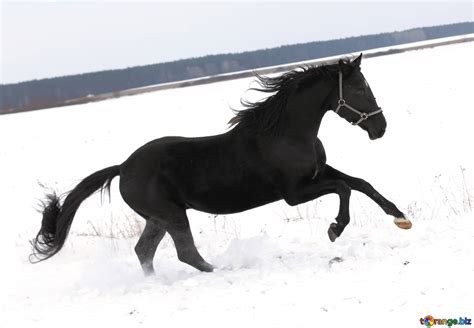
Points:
(342, 103)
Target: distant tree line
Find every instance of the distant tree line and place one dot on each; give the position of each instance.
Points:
(51, 92)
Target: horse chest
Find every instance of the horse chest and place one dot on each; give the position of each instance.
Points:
(295, 160)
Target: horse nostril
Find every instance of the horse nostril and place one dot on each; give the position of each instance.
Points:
(382, 131)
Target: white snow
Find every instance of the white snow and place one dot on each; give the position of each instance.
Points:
(277, 267)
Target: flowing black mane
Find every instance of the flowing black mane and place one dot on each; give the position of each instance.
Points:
(264, 115)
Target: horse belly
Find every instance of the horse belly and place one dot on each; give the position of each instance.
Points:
(232, 197)
(213, 174)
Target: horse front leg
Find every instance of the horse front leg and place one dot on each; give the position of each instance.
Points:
(320, 187)
(366, 188)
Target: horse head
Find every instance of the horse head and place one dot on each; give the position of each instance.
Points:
(354, 101)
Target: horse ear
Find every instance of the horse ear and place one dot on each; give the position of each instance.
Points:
(345, 68)
(356, 62)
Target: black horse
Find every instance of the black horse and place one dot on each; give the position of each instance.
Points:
(271, 153)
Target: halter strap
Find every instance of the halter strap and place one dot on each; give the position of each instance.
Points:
(342, 103)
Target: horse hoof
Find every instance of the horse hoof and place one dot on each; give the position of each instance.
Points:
(332, 235)
(402, 223)
(206, 267)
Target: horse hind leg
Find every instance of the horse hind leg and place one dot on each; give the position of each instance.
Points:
(147, 245)
(173, 219)
(183, 240)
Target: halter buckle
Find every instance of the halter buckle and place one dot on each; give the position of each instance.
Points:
(341, 102)
(364, 116)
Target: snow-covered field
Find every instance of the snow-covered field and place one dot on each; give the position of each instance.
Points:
(277, 267)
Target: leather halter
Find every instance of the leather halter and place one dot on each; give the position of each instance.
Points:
(342, 103)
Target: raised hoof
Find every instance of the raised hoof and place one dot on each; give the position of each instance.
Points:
(332, 235)
(402, 223)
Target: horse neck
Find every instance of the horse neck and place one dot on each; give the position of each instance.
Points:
(305, 110)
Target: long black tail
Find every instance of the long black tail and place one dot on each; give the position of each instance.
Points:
(57, 218)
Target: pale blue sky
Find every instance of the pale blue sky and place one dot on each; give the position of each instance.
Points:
(47, 39)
